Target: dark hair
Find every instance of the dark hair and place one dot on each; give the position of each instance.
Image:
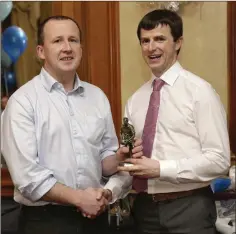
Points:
(55, 17)
(162, 17)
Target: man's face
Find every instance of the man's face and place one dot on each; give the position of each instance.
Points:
(61, 50)
(159, 49)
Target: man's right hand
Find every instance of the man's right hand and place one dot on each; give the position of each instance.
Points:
(92, 202)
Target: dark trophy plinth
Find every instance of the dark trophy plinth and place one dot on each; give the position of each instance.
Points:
(127, 134)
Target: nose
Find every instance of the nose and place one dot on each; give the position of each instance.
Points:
(66, 46)
(151, 46)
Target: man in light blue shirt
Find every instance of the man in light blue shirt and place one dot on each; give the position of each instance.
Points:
(58, 139)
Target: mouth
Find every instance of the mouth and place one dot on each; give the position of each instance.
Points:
(68, 58)
(154, 58)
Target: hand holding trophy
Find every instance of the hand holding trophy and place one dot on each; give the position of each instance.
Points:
(127, 134)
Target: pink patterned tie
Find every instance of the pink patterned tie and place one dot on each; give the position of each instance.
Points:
(149, 130)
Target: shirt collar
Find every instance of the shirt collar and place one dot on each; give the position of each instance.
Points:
(49, 82)
(171, 75)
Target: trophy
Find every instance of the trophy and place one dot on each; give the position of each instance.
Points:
(127, 134)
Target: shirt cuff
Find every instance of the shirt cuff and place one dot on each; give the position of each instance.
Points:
(168, 171)
(119, 185)
(107, 154)
(43, 188)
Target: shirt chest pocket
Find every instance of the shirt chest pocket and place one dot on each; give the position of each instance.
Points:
(95, 129)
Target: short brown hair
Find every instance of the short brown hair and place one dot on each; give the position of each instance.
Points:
(55, 17)
(162, 17)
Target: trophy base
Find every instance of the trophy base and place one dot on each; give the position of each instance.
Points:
(125, 164)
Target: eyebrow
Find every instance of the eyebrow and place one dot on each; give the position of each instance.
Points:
(60, 36)
(157, 36)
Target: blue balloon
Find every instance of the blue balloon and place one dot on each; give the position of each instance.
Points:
(5, 9)
(220, 184)
(14, 42)
(10, 79)
(5, 59)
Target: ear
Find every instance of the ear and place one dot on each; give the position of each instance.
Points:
(179, 43)
(81, 50)
(40, 51)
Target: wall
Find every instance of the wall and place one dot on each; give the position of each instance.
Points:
(204, 51)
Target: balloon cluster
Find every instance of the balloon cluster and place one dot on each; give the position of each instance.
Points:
(14, 43)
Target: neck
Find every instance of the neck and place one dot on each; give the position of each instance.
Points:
(159, 73)
(67, 79)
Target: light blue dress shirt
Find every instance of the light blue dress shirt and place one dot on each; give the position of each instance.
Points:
(50, 135)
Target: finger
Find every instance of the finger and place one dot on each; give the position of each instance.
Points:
(100, 193)
(123, 150)
(107, 194)
(140, 175)
(103, 202)
(137, 149)
(129, 169)
(133, 161)
(137, 142)
(138, 155)
(106, 203)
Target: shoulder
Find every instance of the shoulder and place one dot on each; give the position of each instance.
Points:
(25, 96)
(93, 90)
(200, 88)
(28, 90)
(192, 80)
(142, 91)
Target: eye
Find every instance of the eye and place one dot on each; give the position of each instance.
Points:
(57, 41)
(145, 41)
(74, 40)
(160, 39)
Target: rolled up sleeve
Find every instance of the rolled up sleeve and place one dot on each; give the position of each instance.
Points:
(109, 141)
(19, 148)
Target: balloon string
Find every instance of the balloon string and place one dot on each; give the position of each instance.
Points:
(5, 79)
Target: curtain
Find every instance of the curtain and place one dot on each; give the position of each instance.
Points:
(26, 15)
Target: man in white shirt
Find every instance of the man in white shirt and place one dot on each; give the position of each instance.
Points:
(58, 139)
(185, 139)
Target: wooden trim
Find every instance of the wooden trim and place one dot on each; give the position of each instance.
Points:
(56, 8)
(114, 31)
(232, 73)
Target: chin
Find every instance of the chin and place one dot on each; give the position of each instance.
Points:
(68, 69)
(155, 67)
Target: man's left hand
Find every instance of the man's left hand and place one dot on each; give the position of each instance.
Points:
(142, 167)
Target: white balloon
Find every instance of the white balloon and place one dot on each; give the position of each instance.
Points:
(5, 9)
(5, 59)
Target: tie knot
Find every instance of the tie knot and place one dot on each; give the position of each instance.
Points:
(157, 84)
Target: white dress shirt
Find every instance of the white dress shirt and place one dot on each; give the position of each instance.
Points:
(191, 140)
(49, 136)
